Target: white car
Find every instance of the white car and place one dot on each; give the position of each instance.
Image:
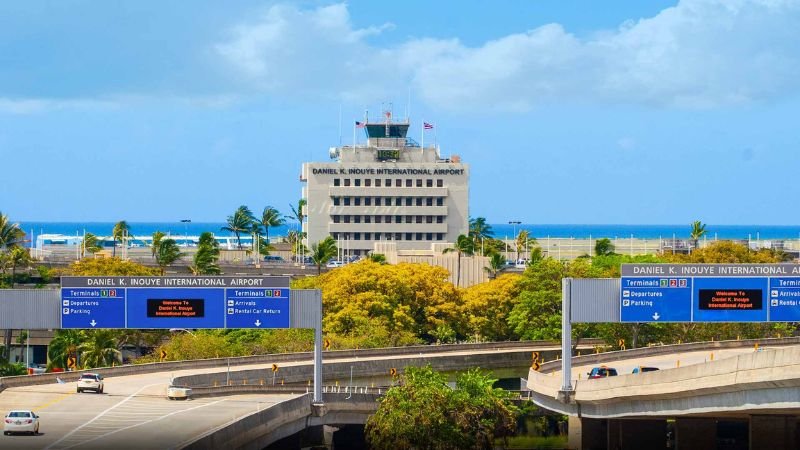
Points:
(21, 421)
(91, 382)
(333, 264)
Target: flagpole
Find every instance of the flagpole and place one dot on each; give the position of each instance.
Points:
(422, 134)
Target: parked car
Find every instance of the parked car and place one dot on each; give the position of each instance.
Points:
(641, 369)
(522, 263)
(21, 421)
(91, 382)
(602, 372)
(333, 263)
(273, 258)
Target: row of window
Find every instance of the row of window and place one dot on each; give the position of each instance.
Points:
(388, 201)
(377, 182)
(388, 219)
(389, 236)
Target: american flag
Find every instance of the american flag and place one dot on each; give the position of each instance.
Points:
(360, 124)
(427, 126)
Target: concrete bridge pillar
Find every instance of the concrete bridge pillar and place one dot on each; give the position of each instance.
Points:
(695, 433)
(773, 432)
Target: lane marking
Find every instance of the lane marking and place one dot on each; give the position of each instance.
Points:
(100, 415)
(53, 402)
(142, 423)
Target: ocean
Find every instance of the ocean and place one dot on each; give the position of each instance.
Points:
(501, 231)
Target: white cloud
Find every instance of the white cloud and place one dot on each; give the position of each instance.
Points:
(698, 54)
(39, 105)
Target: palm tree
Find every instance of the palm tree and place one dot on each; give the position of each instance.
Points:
(698, 231)
(10, 233)
(479, 231)
(379, 258)
(295, 238)
(99, 349)
(65, 343)
(322, 251)
(270, 217)
(158, 238)
(205, 259)
(299, 214)
(121, 229)
(464, 246)
(523, 241)
(17, 257)
(90, 244)
(240, 222)
(496, 263)
(168, 253)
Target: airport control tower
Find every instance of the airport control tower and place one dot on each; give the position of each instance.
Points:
(390, 188)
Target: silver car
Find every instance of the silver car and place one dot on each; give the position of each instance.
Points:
(91, 382)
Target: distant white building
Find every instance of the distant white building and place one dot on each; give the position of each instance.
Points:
(389, 189)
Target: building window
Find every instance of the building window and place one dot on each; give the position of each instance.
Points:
(337, 182)
(367, 219)
(377, 201)
(357, 236)
(429, 201)
(409, 183)
(377, 182)
(368, 201)
(367, 236)
(439, 182)
(419, 182)
(429, 236)
(398, 219)
(356, 219)
(347, 201)
(347, 181)
(378, 219)
(429, 183)
(398, 236)
(428, 219)
(335, 236)
(336, 201)
(439, 201)
(346, 219)
(439, 219)
(409, 219)
(408, 236)
(377, 236)
(439, 236)
(398, 183)
(357, 181)
(336, 219)
(388, 219)
(408, 201)
(419, 219)
(357, 201)
(419, 201)
(388, 182)
(368, 182)
(398, 201)
(419, 236)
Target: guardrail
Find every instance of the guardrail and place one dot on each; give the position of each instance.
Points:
(328, 356)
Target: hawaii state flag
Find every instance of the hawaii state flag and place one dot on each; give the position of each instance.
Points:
(360, 124)
(427, 126)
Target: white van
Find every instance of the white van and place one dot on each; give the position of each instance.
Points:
(522, 263)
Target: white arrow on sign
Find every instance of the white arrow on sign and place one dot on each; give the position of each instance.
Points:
(258, 323)
(656, 316)
(92, 323)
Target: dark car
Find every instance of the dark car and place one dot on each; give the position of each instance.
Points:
(602, 372)
(641, 369)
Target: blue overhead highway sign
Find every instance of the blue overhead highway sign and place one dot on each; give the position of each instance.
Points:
(651, 299)
(175, 302)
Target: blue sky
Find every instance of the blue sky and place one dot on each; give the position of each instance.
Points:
(568, 111)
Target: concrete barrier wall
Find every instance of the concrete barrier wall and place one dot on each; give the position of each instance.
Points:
(134, 369)
(262, 428)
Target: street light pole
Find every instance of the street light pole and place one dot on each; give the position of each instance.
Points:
(186, 223)
(514, 237)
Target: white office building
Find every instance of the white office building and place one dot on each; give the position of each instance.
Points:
(389, 189)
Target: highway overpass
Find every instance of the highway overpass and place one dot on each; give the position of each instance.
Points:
(697, 387)
(135, 413)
